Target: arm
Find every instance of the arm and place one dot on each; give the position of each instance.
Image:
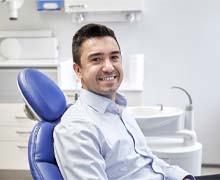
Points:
(77, 151)
(171, 171)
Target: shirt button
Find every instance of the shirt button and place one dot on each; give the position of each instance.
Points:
(123, 169)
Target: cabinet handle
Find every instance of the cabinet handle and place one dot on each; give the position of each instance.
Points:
(70, 95)
(22, 146)
(23, 132)
(84, 6)
(21, 117)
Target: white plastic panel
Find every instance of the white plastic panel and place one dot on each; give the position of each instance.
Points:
(103, 5)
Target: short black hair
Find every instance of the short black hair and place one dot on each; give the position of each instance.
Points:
(86, 32)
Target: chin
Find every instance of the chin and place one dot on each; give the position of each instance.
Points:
(109, 93)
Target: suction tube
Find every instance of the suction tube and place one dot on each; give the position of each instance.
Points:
(189, 113)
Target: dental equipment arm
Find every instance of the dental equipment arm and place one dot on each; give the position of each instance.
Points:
(189, 114)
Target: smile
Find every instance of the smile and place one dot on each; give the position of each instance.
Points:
(108, 78)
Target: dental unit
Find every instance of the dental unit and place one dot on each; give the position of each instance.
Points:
(170, 133)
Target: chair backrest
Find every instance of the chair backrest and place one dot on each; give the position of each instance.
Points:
(47, 102)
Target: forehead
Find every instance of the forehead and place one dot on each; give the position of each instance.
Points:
(99, 44)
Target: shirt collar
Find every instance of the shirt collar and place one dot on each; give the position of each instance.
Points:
(101, 103)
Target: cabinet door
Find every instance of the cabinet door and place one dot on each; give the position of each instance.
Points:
(12, 115)
(15, 129)
(15, 133)
(8, 79)
(14, 155)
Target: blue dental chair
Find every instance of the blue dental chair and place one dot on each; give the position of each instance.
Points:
(45, 102)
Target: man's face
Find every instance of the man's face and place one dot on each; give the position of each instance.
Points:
(101, 66)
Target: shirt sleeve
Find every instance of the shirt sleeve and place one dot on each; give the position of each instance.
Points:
(172, 172)
(77, 151)
(190, 177)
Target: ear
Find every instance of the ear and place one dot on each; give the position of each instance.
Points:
(77, 70)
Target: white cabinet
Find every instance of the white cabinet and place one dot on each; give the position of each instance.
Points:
(15, 129)
(103, 5)
(104, 10)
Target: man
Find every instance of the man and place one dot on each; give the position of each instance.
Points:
(97, 138)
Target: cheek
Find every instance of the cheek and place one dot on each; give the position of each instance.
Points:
(120, 69)
(89, 74)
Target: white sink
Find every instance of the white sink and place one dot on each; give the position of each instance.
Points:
(157, 120)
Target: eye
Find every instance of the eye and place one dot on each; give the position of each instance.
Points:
(96, 59)
(115, 58)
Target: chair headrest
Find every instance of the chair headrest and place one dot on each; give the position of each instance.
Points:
(42, 94)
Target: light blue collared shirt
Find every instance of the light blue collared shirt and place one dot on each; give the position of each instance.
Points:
(98, 139)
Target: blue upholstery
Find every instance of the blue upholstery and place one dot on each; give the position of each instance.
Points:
(48, 102)
(42, 94)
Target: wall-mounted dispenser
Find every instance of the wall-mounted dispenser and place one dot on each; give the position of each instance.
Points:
(104, 10)
(13, 6)
(49, 5)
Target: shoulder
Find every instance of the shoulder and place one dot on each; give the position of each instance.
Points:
(75, 119)
(73, 113)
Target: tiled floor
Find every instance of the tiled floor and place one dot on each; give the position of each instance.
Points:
(15, 175)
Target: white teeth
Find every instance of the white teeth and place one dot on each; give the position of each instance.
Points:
(108, 78)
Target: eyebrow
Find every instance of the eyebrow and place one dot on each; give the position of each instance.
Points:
(100, 54)
(95, 54)
(116, 52)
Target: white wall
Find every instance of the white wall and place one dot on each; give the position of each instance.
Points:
(180, 40)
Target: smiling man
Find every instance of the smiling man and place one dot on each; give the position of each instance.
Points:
(100, 68)
(97, 138)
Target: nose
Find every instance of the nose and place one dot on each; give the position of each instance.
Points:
(108, 66)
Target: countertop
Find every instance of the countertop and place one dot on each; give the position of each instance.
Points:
(30, 63)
